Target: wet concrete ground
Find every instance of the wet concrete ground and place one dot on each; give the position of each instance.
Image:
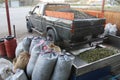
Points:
(17, 17)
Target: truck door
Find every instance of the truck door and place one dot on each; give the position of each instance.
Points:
(36, 18)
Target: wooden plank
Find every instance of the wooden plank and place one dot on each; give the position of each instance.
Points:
(64, 15)
(113, 17)
(98, 14)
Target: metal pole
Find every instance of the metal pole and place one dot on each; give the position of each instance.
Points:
(8, 17)
(103, 4)
(14, 31)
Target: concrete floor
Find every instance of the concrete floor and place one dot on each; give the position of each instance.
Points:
(17, 17)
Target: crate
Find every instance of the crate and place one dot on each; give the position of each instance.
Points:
(97, 69)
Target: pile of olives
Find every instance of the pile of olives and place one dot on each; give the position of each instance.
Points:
(96, 54)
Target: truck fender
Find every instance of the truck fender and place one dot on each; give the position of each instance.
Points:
(29, 22)
(26, 18)
(50, 27)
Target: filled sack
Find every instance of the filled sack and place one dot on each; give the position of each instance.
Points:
(34, 42)
(19, 49)
(21, 61)
(44, 66)
(63, 67)
(5, 72)
(55, 48)
(19, 75)
(110, 29)
(24, 45)
(32, 61)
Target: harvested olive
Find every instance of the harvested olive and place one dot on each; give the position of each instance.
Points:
(96, 54)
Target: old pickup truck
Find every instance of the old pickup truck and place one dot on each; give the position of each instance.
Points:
(61, 23)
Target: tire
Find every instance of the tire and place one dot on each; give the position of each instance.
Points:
(51, 35)
(29, 27)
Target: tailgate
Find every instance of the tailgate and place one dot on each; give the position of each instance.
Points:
(79, 23)
(86, 27)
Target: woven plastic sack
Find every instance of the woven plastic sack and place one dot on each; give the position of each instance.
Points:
(63, 67)
(21, 61)
(19, 49)
(32, 61)
(34, 55)
(1, 78)
(26, 43)
(5, 72)
(110, 29)
(107, 28)
(5, 62)
(44, 66)
(5, 68)
(113, 30)
(35, 41)
(19, 75)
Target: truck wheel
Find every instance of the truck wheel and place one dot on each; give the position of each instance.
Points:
(51, 35)
(29, 28)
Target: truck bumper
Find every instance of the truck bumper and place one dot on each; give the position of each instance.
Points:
(86, 42)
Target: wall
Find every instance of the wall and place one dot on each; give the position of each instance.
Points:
(113, 17)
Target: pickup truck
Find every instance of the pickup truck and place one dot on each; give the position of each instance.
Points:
(61, 23)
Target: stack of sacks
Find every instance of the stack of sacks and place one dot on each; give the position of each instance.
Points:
(52, 66)
(42, 60)
(39, 44)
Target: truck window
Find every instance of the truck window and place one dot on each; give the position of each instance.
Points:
(36, 11)
(41, 8)
(54, 7)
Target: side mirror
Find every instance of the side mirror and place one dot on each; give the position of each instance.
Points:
(30, 12)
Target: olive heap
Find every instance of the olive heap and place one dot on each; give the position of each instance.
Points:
(96, 54)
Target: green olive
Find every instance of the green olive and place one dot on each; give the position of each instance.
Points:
(96, 54)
